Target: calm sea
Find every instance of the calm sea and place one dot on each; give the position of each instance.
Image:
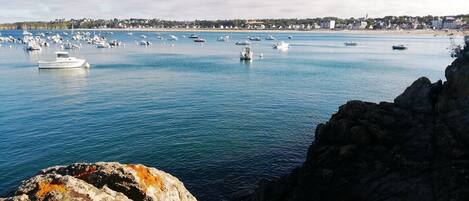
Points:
(194, 110)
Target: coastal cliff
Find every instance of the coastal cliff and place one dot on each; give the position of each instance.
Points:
(101, 181)
(415, 149)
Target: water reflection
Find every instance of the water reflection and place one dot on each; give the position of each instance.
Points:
(67, 81)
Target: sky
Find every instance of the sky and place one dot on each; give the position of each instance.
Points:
(45, 10)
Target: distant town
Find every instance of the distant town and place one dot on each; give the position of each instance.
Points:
(458, 22)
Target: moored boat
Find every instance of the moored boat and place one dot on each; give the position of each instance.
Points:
(33, 46)
(281, 45)
(199, 40)
(269, 37)
(172, 38)
(243, 43)
(193, 36)
(399, 47)
(350, 44)
(145, 43)
(254, 38)
(246, 54)
(224, 38)
(63, 60)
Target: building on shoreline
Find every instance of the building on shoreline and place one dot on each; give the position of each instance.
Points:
(329, 23)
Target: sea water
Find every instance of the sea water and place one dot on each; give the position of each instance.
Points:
(194, 110)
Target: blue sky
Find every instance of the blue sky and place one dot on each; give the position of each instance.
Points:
(32, 10)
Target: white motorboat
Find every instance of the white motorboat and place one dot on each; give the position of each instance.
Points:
(193, 36)
(27, 33)
(103, 44)
(70, 46)
(243, 43)
(281, 45)
(63, 60)
(254, 38)
(246, 54)
(269, 37)
(172, 38)
(224, 38)
(144, 43)
(32, 46)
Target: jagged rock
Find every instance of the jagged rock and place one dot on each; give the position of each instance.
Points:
(102, 181)
(417, 97)
(416, 149)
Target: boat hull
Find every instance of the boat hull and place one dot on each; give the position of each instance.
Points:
(64, 64)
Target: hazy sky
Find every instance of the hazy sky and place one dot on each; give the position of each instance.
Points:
(31, 10)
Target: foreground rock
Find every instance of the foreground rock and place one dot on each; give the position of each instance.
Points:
(415, 149)
(102, 181)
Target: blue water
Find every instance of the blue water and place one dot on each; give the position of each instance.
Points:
(195, 110)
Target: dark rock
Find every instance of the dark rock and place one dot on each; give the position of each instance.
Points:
(415, 149)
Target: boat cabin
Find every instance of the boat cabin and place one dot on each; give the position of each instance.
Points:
(62, 55)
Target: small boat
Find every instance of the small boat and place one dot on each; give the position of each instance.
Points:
(199, 40)
(102, 45)
(290, 37)
(33, 46)
(172, 38)
(27, 33)
(350, 44)
(399, 47)
(63, 60)
(243, 43)
(246, 54)
(69, 46)
(145, 43)
(115, 43)
(224, 38)
(254, 38)
(269, 37)
(281, 45)
(193, 36)
(143, 36)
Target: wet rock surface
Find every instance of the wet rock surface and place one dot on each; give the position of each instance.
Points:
(102, 181)
(415, 149)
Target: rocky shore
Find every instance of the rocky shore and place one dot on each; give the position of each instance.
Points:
(101, 182)
(415, 149)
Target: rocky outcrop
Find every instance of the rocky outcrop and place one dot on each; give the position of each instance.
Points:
(101, 181)
(415, 149)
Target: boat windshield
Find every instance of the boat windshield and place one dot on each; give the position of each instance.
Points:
(62, 55)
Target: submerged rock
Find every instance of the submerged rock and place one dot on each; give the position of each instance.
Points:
(102, 181)
(415, 149)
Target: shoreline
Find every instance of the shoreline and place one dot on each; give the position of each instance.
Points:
(364, 32)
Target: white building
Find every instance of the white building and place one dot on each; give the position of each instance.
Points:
(360, 25)
(330, 24)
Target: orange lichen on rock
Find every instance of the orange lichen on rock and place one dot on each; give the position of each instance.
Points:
(47, 187)
(147, 178)
(86, 173)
